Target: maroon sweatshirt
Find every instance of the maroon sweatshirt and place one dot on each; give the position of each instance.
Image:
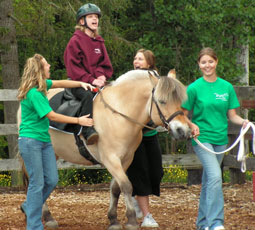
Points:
(86, 58)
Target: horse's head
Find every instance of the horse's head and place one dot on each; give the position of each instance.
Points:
(165, 110)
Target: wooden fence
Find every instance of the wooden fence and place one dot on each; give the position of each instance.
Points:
(188, 161)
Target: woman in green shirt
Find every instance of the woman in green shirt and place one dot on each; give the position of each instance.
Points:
(34, 140)
(213, 101)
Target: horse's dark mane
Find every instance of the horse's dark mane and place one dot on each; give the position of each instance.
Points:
(170, 89)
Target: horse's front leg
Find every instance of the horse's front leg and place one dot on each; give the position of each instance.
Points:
(121, 183)
(112, 211)
(50, 222)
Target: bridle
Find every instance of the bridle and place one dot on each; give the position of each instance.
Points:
(161, 116)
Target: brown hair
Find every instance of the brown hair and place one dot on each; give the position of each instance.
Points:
(149, 57)
(207, 51)
(33, 76)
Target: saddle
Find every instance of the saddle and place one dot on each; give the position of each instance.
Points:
(65, 103)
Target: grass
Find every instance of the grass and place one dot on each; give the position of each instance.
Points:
(172, 174)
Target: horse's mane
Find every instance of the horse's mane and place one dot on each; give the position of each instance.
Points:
(167, 89)
(130, 76)
(170, 89)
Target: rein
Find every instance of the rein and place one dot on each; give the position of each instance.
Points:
(121, 114)
(241, 157)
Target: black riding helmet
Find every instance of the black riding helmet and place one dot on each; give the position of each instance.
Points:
(87, 9)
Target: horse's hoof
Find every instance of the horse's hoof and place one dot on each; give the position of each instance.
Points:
(115, 227)
(131, 227)
(52, 224)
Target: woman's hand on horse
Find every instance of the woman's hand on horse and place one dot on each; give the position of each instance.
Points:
(87, 86)
(85, 120)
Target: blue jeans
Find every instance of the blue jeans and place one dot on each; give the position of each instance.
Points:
(40, 163)
(211, 205)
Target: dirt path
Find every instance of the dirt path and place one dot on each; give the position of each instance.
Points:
(85, 207)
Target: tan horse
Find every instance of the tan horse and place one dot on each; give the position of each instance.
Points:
(120, 112)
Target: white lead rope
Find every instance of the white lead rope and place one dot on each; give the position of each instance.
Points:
(241, 157)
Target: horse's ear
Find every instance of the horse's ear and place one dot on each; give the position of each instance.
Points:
(172, 73)
(153, 78)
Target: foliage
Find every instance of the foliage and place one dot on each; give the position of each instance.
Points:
(226, 176)
(5, 179)
(172, 174)
(83, 176)
(177, 30)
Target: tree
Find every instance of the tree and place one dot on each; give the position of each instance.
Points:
(10, 67)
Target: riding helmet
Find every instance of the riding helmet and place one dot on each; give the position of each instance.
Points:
(86, 9)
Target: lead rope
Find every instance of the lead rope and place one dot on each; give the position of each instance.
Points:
(241, 157)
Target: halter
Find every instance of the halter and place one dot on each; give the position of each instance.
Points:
(161, 116)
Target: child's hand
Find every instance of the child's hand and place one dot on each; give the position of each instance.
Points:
(85, 120)
(87, 86)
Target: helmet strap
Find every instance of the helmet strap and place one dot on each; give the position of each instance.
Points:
(86, 25)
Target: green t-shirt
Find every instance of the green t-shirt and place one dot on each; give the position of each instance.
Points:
(150, 133)
(210, 102)
(34, 123)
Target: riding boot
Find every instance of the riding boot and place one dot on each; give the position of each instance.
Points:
(90, 134)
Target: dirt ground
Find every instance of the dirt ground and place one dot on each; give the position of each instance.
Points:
(85, 207)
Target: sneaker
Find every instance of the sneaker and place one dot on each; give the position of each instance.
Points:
(23, 210)
(149, 222)
(219, 228)
(138, 211)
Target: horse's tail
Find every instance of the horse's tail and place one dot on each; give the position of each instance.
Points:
(25, 177)
(23, 168)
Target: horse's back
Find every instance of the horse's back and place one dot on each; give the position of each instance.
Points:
(53, 92)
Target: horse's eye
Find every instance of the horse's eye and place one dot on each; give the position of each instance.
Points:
(162, 102)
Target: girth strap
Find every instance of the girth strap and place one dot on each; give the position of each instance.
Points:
(83, 150)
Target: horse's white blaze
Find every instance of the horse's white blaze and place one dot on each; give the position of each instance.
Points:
(179, 130)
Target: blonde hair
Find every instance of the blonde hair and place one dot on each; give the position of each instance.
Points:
(83, 28)
(33, 76)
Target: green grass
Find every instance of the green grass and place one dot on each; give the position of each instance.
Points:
(172, 174)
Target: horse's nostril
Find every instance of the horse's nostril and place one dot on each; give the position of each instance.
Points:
(180, 132)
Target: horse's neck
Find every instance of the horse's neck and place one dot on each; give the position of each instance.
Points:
(132, 99)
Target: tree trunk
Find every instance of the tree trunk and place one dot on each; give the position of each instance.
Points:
(10, 68)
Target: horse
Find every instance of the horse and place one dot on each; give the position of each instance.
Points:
(120, 111)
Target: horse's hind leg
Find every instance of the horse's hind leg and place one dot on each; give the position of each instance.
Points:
(50, 222)
(112, 211)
